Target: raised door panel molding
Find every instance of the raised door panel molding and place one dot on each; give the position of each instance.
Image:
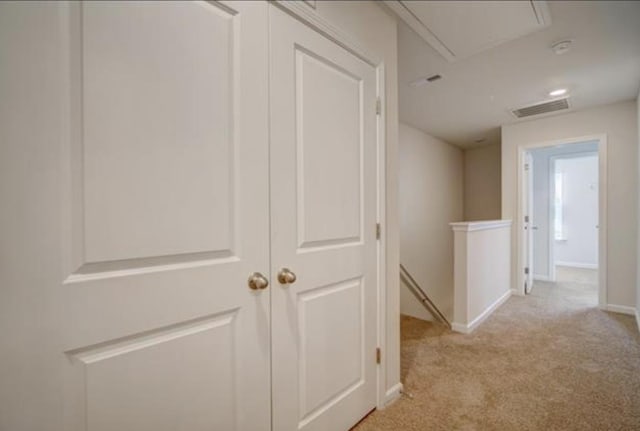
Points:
(329, 153)
(193, 366)
(331, 329)
(158, 134)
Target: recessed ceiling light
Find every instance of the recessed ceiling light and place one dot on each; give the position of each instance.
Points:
(558, 92)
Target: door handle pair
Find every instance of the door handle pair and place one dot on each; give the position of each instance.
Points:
(257, 281)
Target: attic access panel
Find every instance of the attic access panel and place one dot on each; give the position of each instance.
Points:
(460, 29)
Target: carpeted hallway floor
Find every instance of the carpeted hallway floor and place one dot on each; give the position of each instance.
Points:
(548, 361)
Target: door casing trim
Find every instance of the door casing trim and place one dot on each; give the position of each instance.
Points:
(518, 289)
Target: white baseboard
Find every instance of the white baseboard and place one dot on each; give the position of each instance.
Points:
(622, 309)
(578, 265)
(470, 327)
(638, 318)
(515, 292)
(392, 395)
(459, 327)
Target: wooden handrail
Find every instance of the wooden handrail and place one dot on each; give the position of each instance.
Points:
(422, 296)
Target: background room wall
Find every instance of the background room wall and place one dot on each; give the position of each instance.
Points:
(431, 197)
(619, 122)
(541, 202)
(482, 183)
(579, 248)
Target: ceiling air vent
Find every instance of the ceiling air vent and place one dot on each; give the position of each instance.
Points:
(542, 108)
(425, 80)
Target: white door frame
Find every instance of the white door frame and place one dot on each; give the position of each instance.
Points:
(602, 210)
(551, 253)
(528, 226)
(308, 15)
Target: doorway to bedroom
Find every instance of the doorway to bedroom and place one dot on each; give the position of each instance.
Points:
(563, 229)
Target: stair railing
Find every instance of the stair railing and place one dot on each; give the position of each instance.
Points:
(422, 296)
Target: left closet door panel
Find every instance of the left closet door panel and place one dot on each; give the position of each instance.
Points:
(167, 215)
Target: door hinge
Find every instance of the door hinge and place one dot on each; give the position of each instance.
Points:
(526, 166)
(378, 106)
(526, 219)
(378, 230)
(526, 270)
(378, 355)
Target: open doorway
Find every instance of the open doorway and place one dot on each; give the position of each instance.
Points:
(563, 207)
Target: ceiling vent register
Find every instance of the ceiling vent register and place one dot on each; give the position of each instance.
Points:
(542, 108)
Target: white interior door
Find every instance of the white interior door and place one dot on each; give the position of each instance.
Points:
(528, 225)
(166, 215)
(323, 203)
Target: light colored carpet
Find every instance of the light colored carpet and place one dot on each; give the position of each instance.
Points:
(569, 274)
(573, 285)
(548, 361)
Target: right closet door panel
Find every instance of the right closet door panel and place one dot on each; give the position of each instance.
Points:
(323, 218)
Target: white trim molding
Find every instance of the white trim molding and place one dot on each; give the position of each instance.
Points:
(578, 265)
(470, 327)
(622, 309)
(638, 318)
(393, 394)
(471, 226)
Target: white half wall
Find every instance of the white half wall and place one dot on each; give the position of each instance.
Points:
(482, 271)
(619, 122)
(431, 196)
(482, 183)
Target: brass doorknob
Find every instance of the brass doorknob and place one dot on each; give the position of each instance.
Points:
(257, 281)
(286, 276)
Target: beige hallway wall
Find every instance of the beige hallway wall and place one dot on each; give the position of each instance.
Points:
(482, 183)
(431, 196)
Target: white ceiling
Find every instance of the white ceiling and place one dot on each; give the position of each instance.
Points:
(459, 29)
(475, 94)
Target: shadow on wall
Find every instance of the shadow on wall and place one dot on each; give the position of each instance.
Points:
(431, 196)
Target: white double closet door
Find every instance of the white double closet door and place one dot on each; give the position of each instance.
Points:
(205, 142)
